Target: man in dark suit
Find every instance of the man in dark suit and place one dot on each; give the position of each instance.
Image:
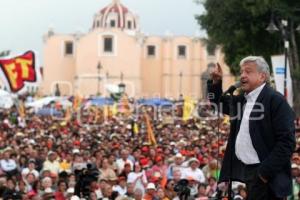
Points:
(262, 137)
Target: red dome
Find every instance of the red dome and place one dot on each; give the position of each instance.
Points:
(115, 8)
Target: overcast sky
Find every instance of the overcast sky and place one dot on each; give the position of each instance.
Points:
(23, 22)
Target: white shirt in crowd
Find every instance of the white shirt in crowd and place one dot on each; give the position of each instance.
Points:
(244, 149)
(8, 165)
(26, 171)
(197, 174)
(51, 166)
(119, 189)
(120, 164)
(132, 176)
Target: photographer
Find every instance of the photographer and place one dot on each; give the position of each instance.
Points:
(183, 190)
(84, 180)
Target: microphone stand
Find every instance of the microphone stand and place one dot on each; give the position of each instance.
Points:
(231, 147)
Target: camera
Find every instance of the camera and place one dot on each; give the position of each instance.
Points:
(84, 178)
(182, 189)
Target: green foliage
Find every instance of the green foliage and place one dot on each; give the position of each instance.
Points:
(296, 74)
(239, 27)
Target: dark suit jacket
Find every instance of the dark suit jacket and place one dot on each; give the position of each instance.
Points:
(272, 133)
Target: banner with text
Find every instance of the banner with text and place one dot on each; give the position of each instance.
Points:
(278, 71)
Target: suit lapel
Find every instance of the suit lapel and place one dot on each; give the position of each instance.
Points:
(259, 103)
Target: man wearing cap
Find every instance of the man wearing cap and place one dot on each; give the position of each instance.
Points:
(193, 171)
(177, 165)
(150, 192)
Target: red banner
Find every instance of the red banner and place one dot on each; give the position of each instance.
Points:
(18, 70)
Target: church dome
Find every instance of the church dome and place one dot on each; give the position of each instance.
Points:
(115, 15)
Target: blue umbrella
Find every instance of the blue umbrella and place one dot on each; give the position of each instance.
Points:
(101, 101)
(155, 102)
(49, 112)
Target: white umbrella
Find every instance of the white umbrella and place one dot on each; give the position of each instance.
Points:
(41, 102)
(111, 88)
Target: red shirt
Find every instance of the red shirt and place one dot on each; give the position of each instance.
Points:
(59, 196)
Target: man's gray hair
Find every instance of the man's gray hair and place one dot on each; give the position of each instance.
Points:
(261, 64)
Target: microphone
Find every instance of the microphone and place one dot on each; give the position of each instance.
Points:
(232, 88)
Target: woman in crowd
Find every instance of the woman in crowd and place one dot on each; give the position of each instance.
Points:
(138, 177)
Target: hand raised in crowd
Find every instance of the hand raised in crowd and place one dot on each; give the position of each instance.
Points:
(217, 73)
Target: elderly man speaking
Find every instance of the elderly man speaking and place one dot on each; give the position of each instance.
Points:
(262, 137)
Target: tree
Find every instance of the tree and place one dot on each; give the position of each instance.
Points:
(239, 27)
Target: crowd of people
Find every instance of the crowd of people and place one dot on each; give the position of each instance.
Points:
(45, 157)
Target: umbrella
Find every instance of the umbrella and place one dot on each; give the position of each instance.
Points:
(41, 102)
(111, 88)
(100, 101)
(49, 112)
(155, 102)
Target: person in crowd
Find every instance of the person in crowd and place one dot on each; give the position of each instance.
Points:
(138, 177)
(150, 192)
(194, 171)
(161, 194)
(30, 169)
(8, 165)
(60, 193)
(121, 187)
(52, 163)
(123, 160)
(177, 165)
(202, 195)
(106, 171)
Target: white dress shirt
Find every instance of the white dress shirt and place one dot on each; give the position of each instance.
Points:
(244, 149)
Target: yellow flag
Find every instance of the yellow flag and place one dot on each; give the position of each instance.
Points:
(21, 109)
(76, 102)
(188, 108)
(135, 128)
(124, 106)
(106, 111)
(150, 134)
(98, 115)
(226, 120)
(114, 109)
(68, 114)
